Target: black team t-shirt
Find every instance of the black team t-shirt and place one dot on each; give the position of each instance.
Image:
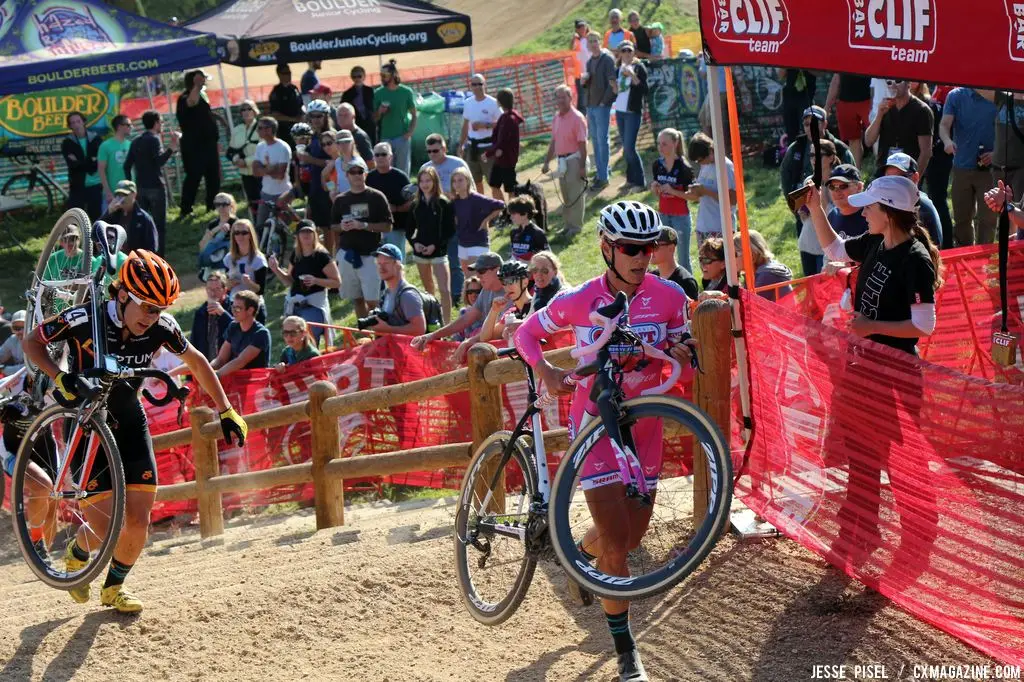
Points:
(391, 184)
(527, 240)
(370, 206)
(890, 281)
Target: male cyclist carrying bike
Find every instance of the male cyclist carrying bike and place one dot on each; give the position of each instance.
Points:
(629, 234)
(136, 325)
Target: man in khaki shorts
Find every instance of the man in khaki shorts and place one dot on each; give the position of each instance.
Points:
(359, 217)
(479, 114)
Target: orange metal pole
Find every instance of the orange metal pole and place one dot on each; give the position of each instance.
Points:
(737, 161)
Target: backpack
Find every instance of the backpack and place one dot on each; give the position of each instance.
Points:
(431, 307)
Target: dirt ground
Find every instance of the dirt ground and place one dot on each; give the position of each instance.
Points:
(377, 601)
(492, 36)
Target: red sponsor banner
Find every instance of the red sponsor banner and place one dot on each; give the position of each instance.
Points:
(925, 40)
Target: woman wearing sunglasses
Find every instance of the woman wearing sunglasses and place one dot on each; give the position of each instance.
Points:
(246, 265)
(242, 151)
(136, 326)
(629, 232)
(216, 241)
(545, 269)
(712, 265)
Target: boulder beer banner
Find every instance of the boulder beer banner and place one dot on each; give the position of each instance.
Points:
(978, 43)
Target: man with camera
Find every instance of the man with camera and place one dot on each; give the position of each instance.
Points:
(126, 212)
(401, 305)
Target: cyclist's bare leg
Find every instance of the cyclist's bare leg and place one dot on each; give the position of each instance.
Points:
(137, 508)
(611, 540)
(40, 507)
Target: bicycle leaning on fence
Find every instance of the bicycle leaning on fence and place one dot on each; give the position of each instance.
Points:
(501, 532)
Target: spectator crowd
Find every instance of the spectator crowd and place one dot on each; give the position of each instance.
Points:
(368, 218)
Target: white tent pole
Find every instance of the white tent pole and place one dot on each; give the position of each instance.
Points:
(380, 61)
(472, 70)
(227, 102)
(245, 83)
(725, 213)
(149, 92)
(170, 119)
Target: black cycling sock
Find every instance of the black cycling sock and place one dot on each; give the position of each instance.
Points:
(586, 555)
(78, 552)
(618, 624)
(117, 573)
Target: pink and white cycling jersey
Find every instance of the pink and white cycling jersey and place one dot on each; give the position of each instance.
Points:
(657, 313)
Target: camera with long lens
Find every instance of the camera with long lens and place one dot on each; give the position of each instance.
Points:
(370, 320)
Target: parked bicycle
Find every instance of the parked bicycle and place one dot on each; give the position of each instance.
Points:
(275, 235)
(510, 514)
(31, 186)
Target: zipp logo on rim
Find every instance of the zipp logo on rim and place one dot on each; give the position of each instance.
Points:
(906, 29)
(1015, 13)
(761, 25)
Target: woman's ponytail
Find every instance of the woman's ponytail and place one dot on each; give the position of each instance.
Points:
(922, 234)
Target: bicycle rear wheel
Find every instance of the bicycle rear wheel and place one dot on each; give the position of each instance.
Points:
(494, 569)
(589, 504)
(48, 514)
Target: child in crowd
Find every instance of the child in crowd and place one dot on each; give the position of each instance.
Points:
(505, 150)
(701, 151)
(298, 344)
(654, 32)
(434, 226)
(526, 238)
(473, 215)
(673, 176)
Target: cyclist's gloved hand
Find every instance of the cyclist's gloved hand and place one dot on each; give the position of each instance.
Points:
(70, 385)
(232, 424)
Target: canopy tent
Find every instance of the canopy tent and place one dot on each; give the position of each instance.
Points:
(47, 44)
(255, 32)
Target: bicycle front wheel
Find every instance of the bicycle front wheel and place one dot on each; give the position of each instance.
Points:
(493, 567)
(87, 503)
(658, 534)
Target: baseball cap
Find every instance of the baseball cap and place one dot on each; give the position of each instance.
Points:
(626, 44)
(581, 22)
(657, 25)
(668, 235)
(487, 261)
(305, 224)
(905, 162)
(18, 317)
(345, 135)
(391, 251)
(894, 191)
(815, 111)
(845, 171)
(356, 162)
(126, 187)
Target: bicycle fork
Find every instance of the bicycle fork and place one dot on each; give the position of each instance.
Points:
(78, 488)
(630, 470)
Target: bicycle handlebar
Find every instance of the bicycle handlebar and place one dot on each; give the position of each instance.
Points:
(174, 392)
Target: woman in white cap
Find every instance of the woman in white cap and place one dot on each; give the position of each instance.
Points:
(900, 267)
(12, 358)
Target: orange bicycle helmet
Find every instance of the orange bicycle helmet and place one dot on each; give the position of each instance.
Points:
(149, 278)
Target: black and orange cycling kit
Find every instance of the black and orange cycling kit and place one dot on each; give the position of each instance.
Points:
(125, 415)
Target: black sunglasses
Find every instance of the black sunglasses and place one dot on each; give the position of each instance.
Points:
(473, 292)
(380, 154)
(355, 171)
(433, 151)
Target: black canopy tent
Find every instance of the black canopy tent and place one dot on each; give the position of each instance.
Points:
(258, 32)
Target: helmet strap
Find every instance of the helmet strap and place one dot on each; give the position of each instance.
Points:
(610, 262)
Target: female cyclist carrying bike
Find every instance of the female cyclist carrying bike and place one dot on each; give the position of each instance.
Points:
(135, 326)
(629, 233)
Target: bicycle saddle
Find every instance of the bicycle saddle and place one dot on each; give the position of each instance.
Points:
(110, 239)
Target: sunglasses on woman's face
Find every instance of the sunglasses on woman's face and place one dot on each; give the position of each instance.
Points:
(291, 332)
(709, 261)
(326, 143)
(634, 250)
(221, 204)
(473, 292)
(242, 233)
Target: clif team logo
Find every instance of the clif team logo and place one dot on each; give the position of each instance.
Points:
(1015, 13)
(906, 29)
(761, 25)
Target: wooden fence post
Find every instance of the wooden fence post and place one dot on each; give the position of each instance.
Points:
(328, 491)
(485, 412)
(712, 327)
(207, 462)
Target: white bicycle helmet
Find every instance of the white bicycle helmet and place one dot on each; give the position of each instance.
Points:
(317, 106)
(630, 220)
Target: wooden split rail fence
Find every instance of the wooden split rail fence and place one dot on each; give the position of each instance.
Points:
(483, 379)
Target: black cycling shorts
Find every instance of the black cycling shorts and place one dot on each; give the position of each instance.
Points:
(131, 434)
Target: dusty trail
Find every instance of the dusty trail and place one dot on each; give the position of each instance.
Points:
(377, 600)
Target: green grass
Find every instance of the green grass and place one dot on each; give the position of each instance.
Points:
(676, 15)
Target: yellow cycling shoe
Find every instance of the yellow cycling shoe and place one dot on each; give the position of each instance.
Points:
(71, 564)
(122, 600)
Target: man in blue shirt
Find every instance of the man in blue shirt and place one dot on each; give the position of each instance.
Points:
(846, 219)
(247, 343)
(905, 165)
(968, 133)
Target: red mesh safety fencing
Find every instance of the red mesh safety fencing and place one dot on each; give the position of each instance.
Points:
(907, 475)
(386, 361)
